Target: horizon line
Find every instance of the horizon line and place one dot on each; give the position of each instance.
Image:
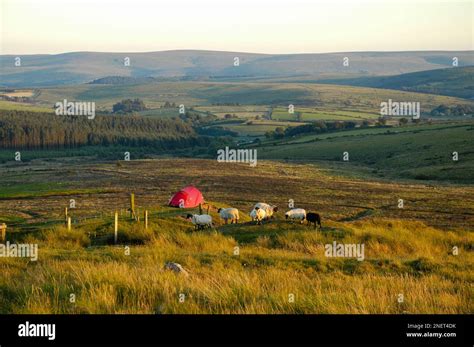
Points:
(241, 52)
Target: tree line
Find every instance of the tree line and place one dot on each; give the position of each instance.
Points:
(316, 128)
(36, 130)
(455, 110)
(129, 105)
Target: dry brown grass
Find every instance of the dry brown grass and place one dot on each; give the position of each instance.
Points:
(407, 251)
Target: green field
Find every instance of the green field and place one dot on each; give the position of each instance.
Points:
(160, 112)
(18, 106)
(259, 128)
(311, 115)
(237, 109)
(423, 152)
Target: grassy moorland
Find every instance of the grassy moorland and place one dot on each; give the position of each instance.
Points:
(207, 93)
(408, 250)
(423, 152)
(451, 81)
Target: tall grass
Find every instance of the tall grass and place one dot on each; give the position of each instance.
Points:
(279, 259)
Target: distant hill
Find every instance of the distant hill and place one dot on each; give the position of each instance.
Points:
(458, 81)
(125, 80)
(84, 67)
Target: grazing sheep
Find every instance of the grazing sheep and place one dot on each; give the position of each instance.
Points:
(229, 213)
(258, 214)
(269, 209)
(313, 217)
(200, 220)
(297, 214)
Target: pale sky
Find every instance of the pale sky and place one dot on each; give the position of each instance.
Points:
(261, 26)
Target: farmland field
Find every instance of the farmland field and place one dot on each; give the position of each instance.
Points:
(20, 93)
(20, 106)
(258, 127)
(242, 111)
(308, 114)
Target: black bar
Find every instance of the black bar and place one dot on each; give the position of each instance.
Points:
(242, 329)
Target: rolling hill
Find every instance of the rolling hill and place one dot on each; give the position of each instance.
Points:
(457, 82)
(413, 152)
(325, 96)
(83, 67)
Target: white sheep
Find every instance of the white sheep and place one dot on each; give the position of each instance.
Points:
(258, 214)
(269, 209)
(200, 220)
(229, 213)
(297, 214)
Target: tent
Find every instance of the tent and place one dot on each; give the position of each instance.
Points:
(187, 197)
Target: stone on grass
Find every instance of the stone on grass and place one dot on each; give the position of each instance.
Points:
(176, 268)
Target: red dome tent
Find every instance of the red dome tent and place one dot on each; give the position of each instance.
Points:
(187, 197)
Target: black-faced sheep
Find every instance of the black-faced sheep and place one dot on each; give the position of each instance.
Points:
(258, 214)
(200, 220)
(296, 214)
(269, 209)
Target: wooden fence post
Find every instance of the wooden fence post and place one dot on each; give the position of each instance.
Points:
(3, 232)
(132, 205)
(116, 228)
(146, 219)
